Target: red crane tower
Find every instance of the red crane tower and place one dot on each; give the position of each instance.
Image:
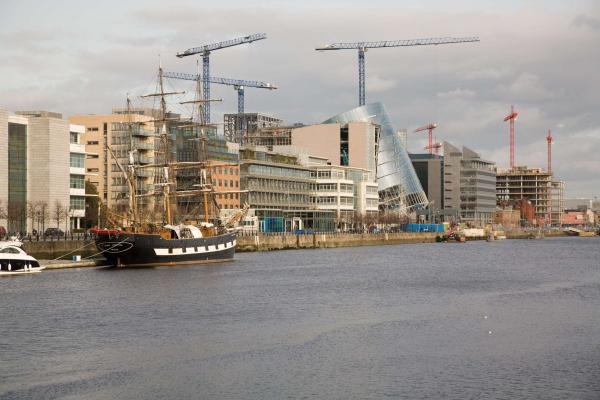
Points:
(435, 146)
(511, 118)
(549, 140)
(430, 129)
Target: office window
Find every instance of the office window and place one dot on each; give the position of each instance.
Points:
(77, 182)
(77, 160)
(77, 203)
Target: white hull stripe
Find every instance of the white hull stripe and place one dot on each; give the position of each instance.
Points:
(194, 250)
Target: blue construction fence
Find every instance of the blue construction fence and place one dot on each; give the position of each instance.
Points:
(424, 228)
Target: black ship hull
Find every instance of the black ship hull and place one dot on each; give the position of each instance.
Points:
(127, 249)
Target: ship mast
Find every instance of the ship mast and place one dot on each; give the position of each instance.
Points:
(163, 166)
(164, 137)
(130, 173)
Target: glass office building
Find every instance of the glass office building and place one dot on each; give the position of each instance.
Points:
(17, 178)
(399, 188)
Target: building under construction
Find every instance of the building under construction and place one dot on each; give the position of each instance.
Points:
(535, 185)
(251, 128)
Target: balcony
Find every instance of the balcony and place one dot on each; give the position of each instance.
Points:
(144, 173)
(144, 159)
(142, 145)
(142, 132)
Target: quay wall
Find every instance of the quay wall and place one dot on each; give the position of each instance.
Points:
(51, 249)
(324, 240)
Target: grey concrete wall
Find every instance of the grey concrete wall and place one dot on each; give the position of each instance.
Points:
(452, 167)
(48, 162)
(282, 242)
(3, 162)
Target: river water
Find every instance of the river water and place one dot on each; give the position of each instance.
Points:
(502, 320)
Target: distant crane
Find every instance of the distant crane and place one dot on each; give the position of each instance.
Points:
(549, 140)
(429, 128)
(511, 118)
(238, 84)
(205, 52)
(363, 46)
(436, 146)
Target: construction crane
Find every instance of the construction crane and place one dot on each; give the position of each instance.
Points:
(511, 118)
(429, 128)
(238, 84)
(363, 46)
(205, 52)
(435, 146)
(549, 140)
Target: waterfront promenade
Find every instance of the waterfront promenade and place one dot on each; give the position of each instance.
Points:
(84, 246)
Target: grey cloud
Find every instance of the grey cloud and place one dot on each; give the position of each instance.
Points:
(586, 21)
(534, 60)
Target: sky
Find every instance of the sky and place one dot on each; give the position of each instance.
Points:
(543, 57)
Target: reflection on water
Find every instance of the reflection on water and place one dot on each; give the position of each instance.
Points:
(509, 319)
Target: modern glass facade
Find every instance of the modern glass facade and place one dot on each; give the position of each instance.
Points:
(17, 178)
(399, 188)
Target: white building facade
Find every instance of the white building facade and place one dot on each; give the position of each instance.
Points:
(350, 192)
(76, 177)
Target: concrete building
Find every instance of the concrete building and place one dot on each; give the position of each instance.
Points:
(223, 166)
(349, 192)
(226, 183)
(247, 128)
(469, 185)
(430, 171)
(363, 137)
(557, 202)
(352, 144)
(532, 184)
(578, 218)
(40, 171)
(123, 133)
(278, 192)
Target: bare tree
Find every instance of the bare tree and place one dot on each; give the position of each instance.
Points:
(58, 213)
(3, 213)
(67, 216)
(3, 216)
(16, 216)
(32, 213)
(43, 215)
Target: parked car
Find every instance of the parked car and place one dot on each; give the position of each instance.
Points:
(53, 232)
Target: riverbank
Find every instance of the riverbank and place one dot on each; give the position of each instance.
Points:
(328, 240)
(49, 251)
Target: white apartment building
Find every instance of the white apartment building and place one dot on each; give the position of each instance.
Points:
(77, 176)
(350, 192)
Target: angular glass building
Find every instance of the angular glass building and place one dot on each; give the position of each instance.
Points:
(399, 187)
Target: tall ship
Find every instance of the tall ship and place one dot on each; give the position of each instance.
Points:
(152, 229)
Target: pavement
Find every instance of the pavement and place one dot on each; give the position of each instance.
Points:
(60, 264)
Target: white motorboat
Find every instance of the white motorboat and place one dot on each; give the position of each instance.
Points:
(14, 261)
(12, 241)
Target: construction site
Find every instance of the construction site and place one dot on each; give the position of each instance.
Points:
(533, 191)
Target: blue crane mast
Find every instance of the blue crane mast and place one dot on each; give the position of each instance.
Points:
(205, 52)
(363, 46)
